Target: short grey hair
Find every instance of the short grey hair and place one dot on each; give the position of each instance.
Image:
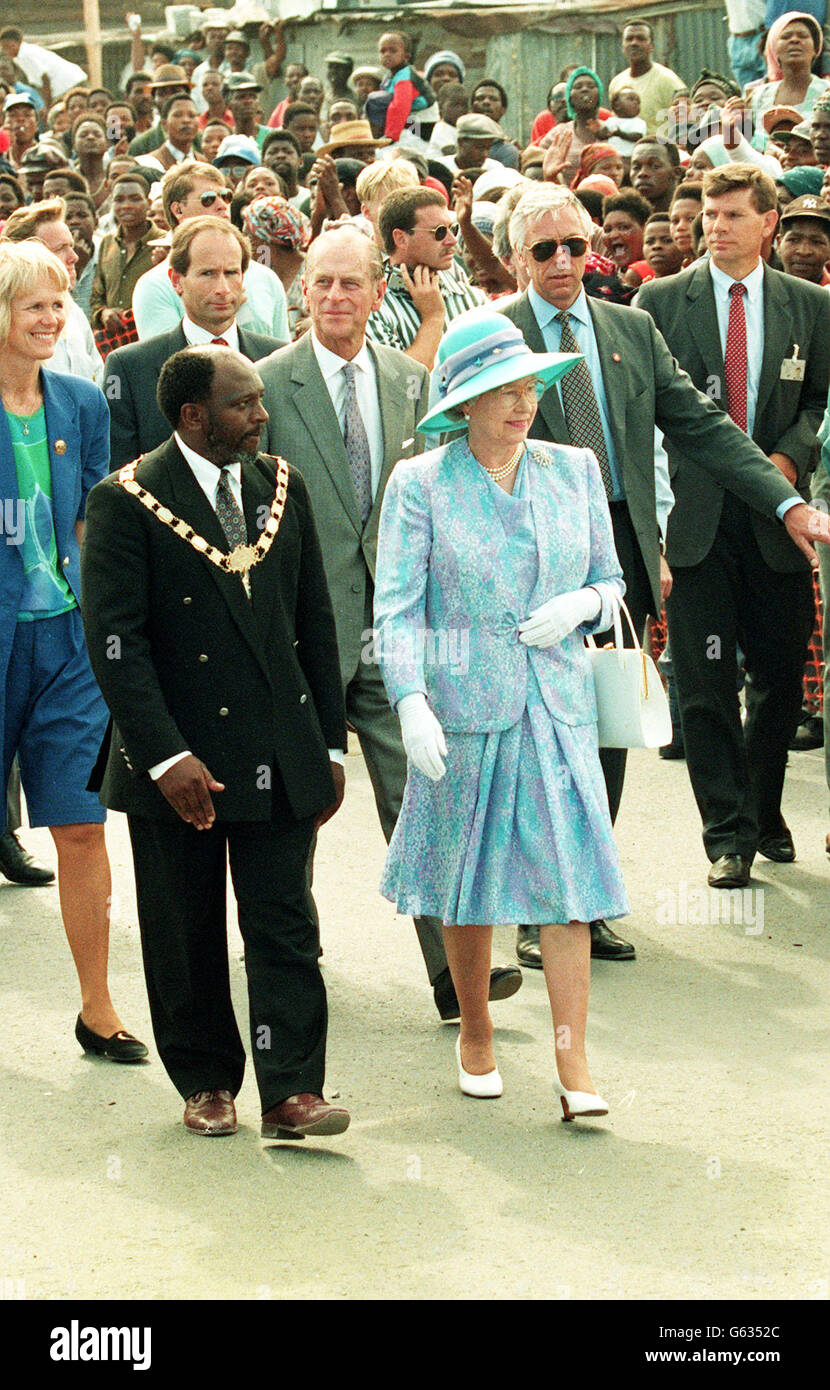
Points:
(547, 197)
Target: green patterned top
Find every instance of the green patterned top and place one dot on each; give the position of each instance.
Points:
(45, 590)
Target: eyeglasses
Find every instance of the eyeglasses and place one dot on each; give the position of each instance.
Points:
(516, 391)
(440, 233)
(209, 197)
(576, 246)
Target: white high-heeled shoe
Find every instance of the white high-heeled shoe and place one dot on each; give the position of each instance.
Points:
(486, 1087)
(576, 1104)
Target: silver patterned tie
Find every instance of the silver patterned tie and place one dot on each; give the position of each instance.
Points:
(229, 512)
(581, 407)
(357, 446)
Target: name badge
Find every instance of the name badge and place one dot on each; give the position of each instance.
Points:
(792, 368)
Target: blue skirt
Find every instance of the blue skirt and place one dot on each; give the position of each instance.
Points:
(517, 830)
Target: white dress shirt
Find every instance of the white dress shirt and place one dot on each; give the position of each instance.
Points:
(753, 302)
(754, 311)
(200, 337)
(207, 476)
(366, 389)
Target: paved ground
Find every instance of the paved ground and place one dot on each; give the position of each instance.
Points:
(703, 1183)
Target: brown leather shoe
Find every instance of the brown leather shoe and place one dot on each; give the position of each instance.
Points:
(210, 1113)
(298, 1116)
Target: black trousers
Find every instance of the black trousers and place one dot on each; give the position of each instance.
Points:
(733, 598)
(181, 885)
(640, 603)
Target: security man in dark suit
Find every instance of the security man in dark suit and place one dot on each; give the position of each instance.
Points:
(211, 634)
(207, 263)
(630, 384)
(758, 342)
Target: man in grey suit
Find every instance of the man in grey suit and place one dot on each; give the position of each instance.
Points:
(207, 264)
(635, 384)
(759, 342)
(343, 411)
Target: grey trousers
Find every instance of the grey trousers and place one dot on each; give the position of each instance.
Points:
(376, 724)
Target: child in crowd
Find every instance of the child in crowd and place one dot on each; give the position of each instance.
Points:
(405, 91)
(660, 252)
(626, 126)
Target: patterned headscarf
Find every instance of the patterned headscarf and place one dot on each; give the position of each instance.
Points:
(591, 155)
(716, 79)
(268, 219)
(823, 103)
(581, 72)
(774, 72)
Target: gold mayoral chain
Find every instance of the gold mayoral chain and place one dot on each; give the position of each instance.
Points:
(242, 558)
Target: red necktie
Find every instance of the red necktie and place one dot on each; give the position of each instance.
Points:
(218, 342)
(735, 364)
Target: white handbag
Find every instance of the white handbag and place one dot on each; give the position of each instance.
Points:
(632, 708)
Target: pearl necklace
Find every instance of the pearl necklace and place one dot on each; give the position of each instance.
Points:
(498, 473)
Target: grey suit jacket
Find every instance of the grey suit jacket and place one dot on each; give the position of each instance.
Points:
(303, 428)
(136, 423)
(644, 387)
(788, 412)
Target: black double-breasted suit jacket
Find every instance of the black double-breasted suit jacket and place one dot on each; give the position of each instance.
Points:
(186, 661)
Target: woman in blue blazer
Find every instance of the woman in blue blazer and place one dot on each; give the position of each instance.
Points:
(495, 557)
(54, 446)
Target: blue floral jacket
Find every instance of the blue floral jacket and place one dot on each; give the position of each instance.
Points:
(445, 617)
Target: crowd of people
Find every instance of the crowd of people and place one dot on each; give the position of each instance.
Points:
(330, 405)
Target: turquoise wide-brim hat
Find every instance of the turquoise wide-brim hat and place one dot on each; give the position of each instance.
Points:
(479, 352)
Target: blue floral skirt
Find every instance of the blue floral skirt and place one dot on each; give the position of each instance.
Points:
(517, 830)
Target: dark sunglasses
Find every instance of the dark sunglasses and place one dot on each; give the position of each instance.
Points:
(544, 250)
(208, 198)
(440, 233)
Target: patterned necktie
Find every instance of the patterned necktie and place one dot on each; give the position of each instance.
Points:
(229, 512)
(357, 446)
(580, 402)
(734, 362)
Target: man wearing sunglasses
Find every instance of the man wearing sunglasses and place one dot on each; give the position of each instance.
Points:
(207, 264)
(425, 286)
(193, 189)
(629, 384)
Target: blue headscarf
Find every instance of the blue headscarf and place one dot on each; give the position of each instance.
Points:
(581, 72)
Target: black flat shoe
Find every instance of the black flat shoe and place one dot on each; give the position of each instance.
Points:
(505, 980)
(606, 945)
(121, 1047)
(730, 871)
(777, 846)
(528, 949)
(21, 867)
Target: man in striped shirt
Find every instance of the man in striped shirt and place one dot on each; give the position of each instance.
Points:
(425, 286)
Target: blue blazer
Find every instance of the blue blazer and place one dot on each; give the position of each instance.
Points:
(77, 417)
(446, 619)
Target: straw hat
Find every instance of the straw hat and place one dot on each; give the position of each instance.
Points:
(348, 133)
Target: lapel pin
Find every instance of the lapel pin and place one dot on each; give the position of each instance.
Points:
(615, 357)
(60, 446)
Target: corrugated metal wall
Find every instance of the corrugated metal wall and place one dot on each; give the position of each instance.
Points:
(529, 62)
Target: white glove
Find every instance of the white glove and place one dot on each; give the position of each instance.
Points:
(423, 737)
(552, 621)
